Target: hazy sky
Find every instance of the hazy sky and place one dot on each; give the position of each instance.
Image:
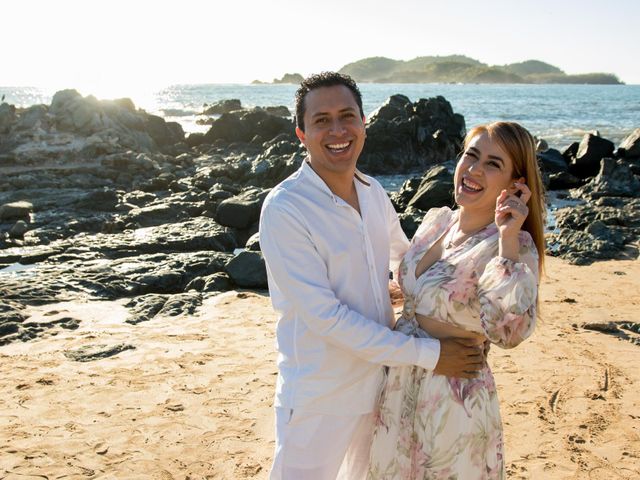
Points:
(121, 46)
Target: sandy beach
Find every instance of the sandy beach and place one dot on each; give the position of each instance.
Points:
(193, 399)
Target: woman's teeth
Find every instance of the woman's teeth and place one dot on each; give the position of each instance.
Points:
(471, 185)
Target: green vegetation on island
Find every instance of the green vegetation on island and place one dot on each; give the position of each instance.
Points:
(463, 69)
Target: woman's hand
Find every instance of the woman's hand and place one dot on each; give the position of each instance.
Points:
(511, 212)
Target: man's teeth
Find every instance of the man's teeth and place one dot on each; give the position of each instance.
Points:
(338, 146)
(471, 185)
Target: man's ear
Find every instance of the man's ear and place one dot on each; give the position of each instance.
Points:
(300, 134)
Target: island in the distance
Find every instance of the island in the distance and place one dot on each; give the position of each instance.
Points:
(458, 69)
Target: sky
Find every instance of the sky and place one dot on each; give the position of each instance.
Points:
(119, 47)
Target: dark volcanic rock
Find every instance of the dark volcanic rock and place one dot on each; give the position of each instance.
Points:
(570, 152)
(253, 243)
(248, 270)
(146, 307)
(214, 283)
(605, 229)
(244, 126)
(243, 210)
(615, 179)
(552, 161)
(101, 200)
(19, 229)
(223, 106)
(90, 353)
(434, 189)
(111, 279)
(591, 150)
(404, 136)
(630, 146)
(7, 117)
(16, 211)
(410, 220)
(563, 181)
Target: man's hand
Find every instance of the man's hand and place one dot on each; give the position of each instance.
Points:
(460, 357)
(395, 292)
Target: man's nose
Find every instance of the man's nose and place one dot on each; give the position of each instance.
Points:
(337, 128)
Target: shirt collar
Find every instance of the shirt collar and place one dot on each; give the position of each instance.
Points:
(315, 179)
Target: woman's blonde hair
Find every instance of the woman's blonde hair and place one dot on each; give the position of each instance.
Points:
(520, 145)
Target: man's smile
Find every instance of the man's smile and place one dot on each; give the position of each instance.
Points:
(338, 147)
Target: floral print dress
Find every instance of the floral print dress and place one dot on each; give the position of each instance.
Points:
(430, 426)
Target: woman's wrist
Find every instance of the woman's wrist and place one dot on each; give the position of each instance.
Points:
(509, 247)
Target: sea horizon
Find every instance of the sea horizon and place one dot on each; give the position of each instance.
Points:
(559, 113)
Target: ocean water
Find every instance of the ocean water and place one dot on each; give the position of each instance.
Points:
(560, 114)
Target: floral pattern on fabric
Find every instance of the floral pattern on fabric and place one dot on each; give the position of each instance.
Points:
(433, 427)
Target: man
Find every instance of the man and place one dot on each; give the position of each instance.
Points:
(329, 235)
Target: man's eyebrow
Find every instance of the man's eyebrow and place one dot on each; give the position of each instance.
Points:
(344, 110)
(493, 157)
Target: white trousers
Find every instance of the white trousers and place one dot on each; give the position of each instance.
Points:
(312, 446)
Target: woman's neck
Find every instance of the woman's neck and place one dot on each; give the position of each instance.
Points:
(471, 222)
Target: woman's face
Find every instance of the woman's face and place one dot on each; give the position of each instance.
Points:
(483, 171)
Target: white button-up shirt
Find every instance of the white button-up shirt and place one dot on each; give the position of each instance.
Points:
(328, 271)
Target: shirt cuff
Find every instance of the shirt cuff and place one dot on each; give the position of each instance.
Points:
(428, 353)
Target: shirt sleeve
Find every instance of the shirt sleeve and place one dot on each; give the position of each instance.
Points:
(298, 271)
(508, 293)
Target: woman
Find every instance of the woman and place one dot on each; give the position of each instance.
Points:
(471, 272)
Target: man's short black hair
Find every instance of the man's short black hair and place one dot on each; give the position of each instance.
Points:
(324, 79)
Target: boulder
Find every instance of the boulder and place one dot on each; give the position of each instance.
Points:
(223, 106)
(563, 181)
(34, 117)
(253, 243)
(246, 126)
(570, 152)
(7, 117)
(214, 283)
(591, 150)
(243, 210)
(435, 190)
(19, 229)
(630, 146)
(16, 211)
(615, 179)
(404, 136)
(552, 161)
(248, 270)
(104, 200)
(278, 111)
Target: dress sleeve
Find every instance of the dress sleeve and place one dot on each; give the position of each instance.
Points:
(508, 293)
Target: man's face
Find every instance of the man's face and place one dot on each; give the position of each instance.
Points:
(334, 131)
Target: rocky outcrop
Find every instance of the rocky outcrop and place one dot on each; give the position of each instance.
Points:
(591, 150)
(256, 126)
(75, 128)
(403, 136)
(222, 106)
(630, 146)
(607, 224)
